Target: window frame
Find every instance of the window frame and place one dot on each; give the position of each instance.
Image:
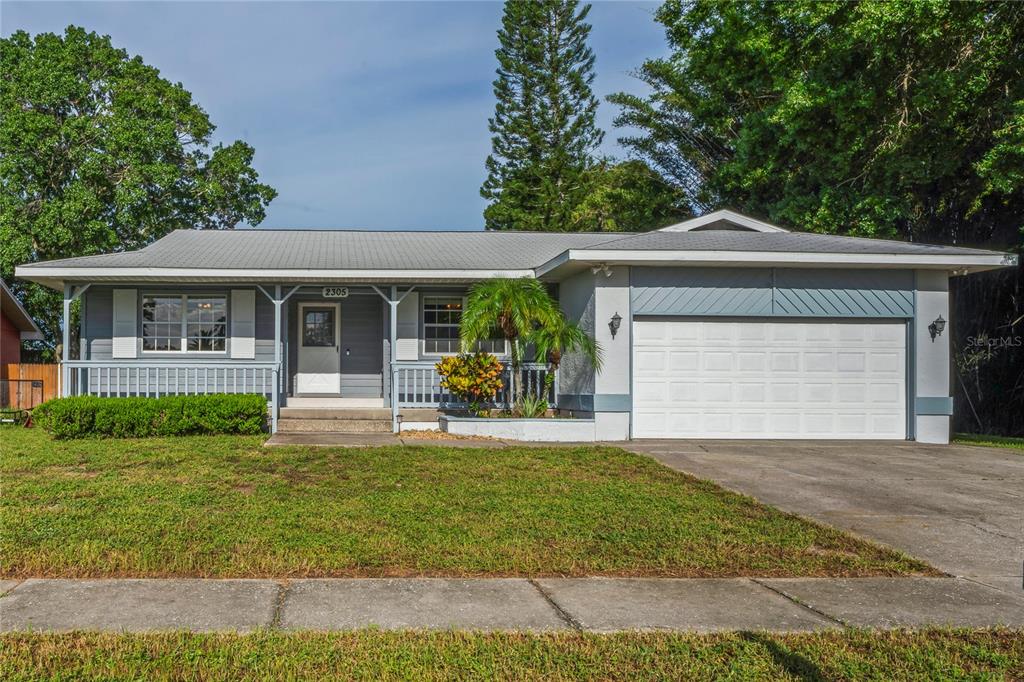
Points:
(183, 331)
(423, 327)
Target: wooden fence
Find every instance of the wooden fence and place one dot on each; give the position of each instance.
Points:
(23, 386)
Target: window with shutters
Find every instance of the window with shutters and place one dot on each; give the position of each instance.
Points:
(184, 323)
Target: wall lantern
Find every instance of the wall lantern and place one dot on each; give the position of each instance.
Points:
(936, 327)
(614, 324)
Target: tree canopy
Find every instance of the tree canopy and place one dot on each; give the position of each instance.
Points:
(628, 196)
(898, 119)
(99, 153)
(543, 126)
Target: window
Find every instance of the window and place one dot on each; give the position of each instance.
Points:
(441, 318)
(318, 327)
(174, 323)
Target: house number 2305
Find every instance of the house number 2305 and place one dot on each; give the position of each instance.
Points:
(335, 292)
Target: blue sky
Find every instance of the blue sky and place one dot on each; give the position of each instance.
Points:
(368, 115)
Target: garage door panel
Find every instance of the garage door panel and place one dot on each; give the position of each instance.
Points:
(769, 379)
(684, 360)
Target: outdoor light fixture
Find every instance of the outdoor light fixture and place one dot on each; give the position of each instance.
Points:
(936, 327)
(614, 324)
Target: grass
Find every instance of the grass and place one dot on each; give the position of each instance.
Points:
(223, 506)
(376, 655)
(989, 441)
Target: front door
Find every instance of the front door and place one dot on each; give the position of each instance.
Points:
(319, 369)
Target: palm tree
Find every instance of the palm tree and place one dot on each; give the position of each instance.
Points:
(523, 313)
(553, 341)
(514, 308)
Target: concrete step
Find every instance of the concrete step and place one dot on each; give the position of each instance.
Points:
(408, 414)
(335, 413)
(297, 425)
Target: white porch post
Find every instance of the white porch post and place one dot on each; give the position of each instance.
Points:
(65, 372)
(393, 337)
(278, 300)
(275, 399)
(393, 300)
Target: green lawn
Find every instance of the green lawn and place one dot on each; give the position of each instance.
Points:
(990, 441)
(376, 655)
(226, 507)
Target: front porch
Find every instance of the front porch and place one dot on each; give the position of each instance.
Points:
(318, 349)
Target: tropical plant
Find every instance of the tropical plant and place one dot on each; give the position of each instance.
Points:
(531, 405)
(562, 336)
(474, 377)
(524, 313)
(511, 308)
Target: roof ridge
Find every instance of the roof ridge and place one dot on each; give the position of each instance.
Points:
(366, 230)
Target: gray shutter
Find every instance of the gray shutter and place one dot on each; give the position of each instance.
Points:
(124, 341)
(243, 324)
(408, 345)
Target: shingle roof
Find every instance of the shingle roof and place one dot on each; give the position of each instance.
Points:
(358, 250)
(343, 250)
(773, 242)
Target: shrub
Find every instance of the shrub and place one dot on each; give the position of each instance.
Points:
(531, 406)
(473, 377)
(85, 416)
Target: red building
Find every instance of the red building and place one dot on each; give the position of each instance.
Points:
(15, 326)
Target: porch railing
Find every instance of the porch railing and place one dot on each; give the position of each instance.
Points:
(417, 384)
(138, 378)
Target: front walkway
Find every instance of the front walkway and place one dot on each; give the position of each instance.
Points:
(588, 604)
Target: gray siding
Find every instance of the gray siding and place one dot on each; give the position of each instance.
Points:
(363, 332)
(361, 370)
(99, 324)
(768, 292)
(576, 298)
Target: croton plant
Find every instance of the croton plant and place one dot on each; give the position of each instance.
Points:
(473, 377)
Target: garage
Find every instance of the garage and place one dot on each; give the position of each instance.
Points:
(769, 378)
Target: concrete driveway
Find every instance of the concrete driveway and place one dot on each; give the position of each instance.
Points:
(960, 508)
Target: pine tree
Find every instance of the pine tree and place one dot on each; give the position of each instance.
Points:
(543, 126)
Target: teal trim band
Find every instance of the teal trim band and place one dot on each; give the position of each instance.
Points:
(608, 402)
(613, 402)
(576, 402)
(934, 406)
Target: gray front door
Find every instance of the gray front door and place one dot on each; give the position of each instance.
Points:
(319, 369)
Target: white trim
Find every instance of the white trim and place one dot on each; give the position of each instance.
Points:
(423, 354)
(243, 324)
(726, 215)
(142, 294)
(124, 328)
(36, 272)
(768, 258)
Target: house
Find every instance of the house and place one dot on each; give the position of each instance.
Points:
(16, 325)
(719, 327)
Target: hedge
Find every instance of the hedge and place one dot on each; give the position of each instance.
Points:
(87, 416)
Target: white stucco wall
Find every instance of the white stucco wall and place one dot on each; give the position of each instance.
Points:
(539, 430)
(932, 357)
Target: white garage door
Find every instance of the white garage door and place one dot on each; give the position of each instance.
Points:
(704, 378)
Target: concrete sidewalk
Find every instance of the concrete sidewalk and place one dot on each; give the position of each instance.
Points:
(589, 604)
